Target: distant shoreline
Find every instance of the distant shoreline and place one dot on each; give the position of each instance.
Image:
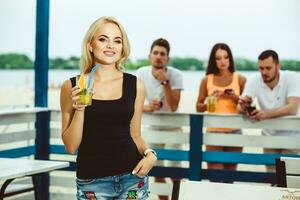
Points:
(22, 61)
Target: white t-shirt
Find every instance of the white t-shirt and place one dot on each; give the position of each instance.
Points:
(271, 99)
(154, 88)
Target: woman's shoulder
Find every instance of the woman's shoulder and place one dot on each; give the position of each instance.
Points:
(238, 75)
(67, 84)
(204, 81)
(207, 77)
(241, 78)
(140, 87)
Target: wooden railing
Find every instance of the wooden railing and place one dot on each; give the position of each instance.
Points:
(24, 134)
(194, 156)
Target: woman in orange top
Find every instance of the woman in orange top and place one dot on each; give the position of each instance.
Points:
(226, 85)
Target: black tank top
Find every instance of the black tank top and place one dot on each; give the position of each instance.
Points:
(107, 148)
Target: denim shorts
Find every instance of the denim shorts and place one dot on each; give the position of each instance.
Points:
(121, 187)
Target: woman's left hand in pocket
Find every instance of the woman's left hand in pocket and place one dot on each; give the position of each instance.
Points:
(145, 165)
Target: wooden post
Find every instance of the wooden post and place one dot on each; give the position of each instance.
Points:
(41, 66)
(42, 145)
(41, 63)
(196, 141)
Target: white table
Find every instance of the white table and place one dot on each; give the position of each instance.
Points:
(11, 169)
(190, 190)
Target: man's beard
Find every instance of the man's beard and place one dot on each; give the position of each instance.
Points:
(271, 79)
(159, 65)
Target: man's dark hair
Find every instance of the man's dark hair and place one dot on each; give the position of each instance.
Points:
(266, 54)
(212, 64)
(161, 42)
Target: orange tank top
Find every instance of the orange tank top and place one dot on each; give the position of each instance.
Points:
(224, 105)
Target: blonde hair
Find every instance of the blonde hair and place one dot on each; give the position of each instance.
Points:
(87, 59)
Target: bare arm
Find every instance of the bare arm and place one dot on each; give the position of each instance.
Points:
(290, 108)
(241, 106)
(72, 119)
(135, 126)
(201, 106)
(242, 82)
(145, 165)
(172, 97)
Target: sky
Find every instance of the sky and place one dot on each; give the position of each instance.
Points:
(191, 26)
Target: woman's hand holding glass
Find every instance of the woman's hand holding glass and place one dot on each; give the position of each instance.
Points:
(76, 98)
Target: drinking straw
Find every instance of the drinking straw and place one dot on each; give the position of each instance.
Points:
(92, 74)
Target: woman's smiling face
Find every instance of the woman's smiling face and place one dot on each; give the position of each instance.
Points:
(107, 44)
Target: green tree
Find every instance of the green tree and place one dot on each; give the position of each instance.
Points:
(56, 63)
(186, 63)
(293, 65)
(245, 64)
(21, 61)
(15, 61)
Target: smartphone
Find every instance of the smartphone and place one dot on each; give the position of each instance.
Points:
(161, 104)
(228, 91)
(250, 109)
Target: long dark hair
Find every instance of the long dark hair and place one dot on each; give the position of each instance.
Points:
(212, 65)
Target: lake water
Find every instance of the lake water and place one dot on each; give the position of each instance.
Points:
(19, 78)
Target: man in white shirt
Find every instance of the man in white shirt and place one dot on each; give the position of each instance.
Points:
(163, 83)
(163, 86)
(277, 94)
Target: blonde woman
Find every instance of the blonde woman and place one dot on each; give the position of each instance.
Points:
(113, 160)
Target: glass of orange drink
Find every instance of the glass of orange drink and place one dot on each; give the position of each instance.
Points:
(86, 89)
